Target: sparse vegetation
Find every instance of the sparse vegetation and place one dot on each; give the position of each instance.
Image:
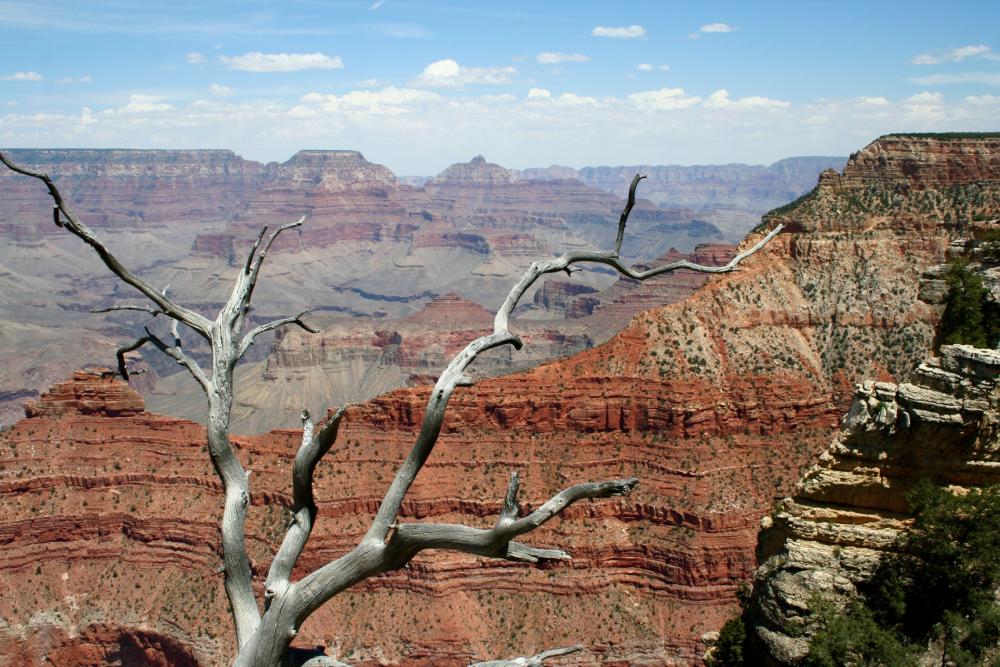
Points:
(937, 594)
(969, 317)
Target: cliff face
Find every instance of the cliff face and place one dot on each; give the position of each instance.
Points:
(370, 247)
(754, 188)
(716, 403)
(848, 510)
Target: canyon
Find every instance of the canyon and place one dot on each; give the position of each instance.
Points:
(718, 402)
(373, 248)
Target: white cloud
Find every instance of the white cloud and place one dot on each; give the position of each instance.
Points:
(720, 99)
(22, 76)
(644, 67)
(419, 131)
(924, 98)
(281, 62)
(539, 93)
(878, 101)
(370, 83)
(80, 79)
(982, 99)
(449, 74)
(138, 104)
(390, 100)
(664, 99)
(954, 55)
(195, 58)
(968, 77)
(376, 4)
(358, 104)
(574, 100)
(716, 27)
(626, 32)
(550, 58)
(221, 91)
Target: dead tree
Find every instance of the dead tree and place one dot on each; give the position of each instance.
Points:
(265, 628)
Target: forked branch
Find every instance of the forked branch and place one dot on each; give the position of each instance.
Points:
(454, 374)
(303, 514)
(411, 538)
(388, 544)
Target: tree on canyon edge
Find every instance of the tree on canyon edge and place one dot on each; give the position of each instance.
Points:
(265, 628)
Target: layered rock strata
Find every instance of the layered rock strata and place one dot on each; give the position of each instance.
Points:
(848, 511)
(370, 247)
(717, 403)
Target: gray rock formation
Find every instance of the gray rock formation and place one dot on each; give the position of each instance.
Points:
(849, 509)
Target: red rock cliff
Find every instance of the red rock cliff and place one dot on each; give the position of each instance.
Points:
(716, 403)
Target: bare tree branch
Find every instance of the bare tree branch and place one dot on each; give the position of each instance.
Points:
(254, 271)
(534, 661)
(189, 317)
(177, 353)
(625, 213)
(144, 309)
(253, 333)
(304, 507)
(454, 373)
(120, 354)
(411, 538)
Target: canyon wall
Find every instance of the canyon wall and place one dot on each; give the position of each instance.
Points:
(718, 403)
(371, 247)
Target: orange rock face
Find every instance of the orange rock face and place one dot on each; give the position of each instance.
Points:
(716, 403)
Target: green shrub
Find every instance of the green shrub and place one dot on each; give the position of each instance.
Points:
(731, 649)
(968, 316)
(853, 637)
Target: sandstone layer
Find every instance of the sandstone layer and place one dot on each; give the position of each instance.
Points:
(717, 403)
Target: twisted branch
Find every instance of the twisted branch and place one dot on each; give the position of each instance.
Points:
(625, 213)
(303, 512)
(253, 333)
(534, 661)
(176, 352)
(411, 538)
(120, 355)
(189, 317)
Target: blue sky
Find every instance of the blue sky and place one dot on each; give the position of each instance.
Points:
(417, 85)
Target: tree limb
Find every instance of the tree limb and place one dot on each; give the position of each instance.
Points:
(454, 374)
(111, 309)
(177, 353)
(534, 661)
(312, 449)
(120, 354)
(189, 317)
(253, 333)
(254, 271)
(625, 213)
(411, 538)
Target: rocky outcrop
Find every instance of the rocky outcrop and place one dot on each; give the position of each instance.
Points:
(90, 392)
(847, 512)
(475, 172)
(717, 403)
